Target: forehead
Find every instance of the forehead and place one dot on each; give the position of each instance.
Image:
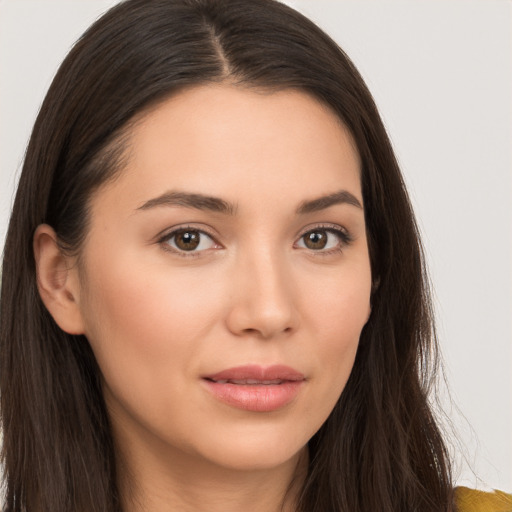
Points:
(226, 141)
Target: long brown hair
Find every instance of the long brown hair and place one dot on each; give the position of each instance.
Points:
(380, 448)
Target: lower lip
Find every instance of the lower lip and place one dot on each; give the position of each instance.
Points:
(255, 397)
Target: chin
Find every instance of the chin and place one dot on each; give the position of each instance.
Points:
(253, 451)
(257, 458)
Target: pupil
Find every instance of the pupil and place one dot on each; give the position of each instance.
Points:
(187, 240)
(316, 240)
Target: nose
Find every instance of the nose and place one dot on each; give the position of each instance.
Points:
(263, 299)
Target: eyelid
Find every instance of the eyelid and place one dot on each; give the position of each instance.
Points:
(327, 226)
(345, 238)
(343, 233)
(165, 235)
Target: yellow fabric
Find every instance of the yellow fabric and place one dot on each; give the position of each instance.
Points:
(471, 500)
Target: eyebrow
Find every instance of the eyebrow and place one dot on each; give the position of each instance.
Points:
(215, 204)
(189, 200)
(323, 202)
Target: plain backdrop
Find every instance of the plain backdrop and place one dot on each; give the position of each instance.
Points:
(441, 73)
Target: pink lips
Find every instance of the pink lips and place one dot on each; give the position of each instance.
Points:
(255, 388)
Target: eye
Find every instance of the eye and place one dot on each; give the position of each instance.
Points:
(323, 239)
(188, 240)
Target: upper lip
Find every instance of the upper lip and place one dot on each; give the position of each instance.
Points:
(253, 374)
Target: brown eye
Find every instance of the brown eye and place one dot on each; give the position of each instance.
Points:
(315, 239)
(324, 239)
(189, 240)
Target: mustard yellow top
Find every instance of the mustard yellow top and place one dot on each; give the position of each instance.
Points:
(471, 500)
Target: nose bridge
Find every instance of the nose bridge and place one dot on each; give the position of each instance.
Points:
(264, 301)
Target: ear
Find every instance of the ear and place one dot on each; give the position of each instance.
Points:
(374, 288)
(375, 284)
(57, 281)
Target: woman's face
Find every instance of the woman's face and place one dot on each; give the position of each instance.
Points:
(226, 277)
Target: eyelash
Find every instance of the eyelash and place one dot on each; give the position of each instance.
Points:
(345, 239)
(164, 241)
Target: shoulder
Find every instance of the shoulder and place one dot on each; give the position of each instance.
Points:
(471, 500)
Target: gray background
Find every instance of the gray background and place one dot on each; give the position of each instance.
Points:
(441, 73)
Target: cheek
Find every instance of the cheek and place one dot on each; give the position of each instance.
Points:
(145, 320)
(338, 308)
(339, 304)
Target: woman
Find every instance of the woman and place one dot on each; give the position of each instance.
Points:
(212, 282)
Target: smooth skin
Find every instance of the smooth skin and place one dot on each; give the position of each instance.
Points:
(261, 274)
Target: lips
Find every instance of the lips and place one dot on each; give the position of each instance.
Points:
(255, 388)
